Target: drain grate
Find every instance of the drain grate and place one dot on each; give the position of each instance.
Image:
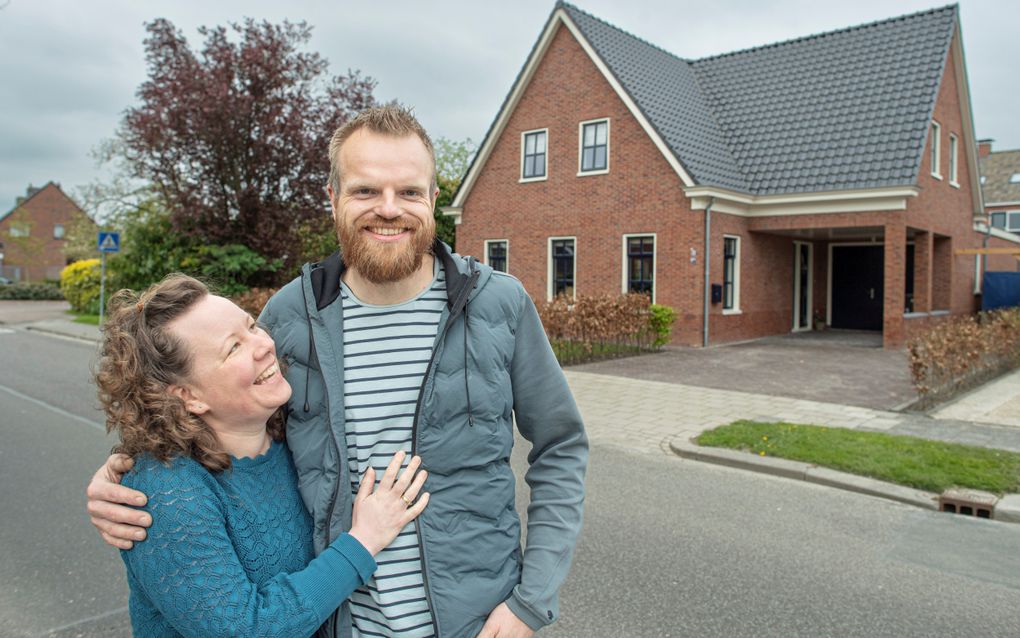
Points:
(968, 503)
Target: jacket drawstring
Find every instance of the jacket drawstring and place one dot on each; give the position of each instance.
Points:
(467, 388)
(311, 346)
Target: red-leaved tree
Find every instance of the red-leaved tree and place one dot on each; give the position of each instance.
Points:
(234, 137)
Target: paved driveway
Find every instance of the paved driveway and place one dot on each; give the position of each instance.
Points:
(832, 366)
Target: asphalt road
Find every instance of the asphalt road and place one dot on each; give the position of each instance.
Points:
(670, 547)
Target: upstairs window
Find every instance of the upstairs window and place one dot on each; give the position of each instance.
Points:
(58, 231)
(1014, 178)
(936, 149)
(999, 220)
(496, 254)
(20, 229)
(533, 154)
(952, 160)
(595, 146)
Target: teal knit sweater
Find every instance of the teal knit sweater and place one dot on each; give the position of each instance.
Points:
(230, 553)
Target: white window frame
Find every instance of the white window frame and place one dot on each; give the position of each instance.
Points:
(954, 168)
(735, 310)
(624, 278)
(978, 259)
(549, 265)
(520, 172)
(496, 241)
(20, 229)
(62, 229)
(796, 285)
(936, 149)
(580, 146)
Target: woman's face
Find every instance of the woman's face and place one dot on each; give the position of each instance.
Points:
(235, 381)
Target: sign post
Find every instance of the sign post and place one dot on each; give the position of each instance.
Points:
(108, 243)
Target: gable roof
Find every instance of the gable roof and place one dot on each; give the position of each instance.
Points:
(32, 191)
(839, 111)
(996, 169)
(848, 109)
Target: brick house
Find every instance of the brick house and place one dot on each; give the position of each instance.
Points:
(33, 234)
(1000, 185)
(828, 179)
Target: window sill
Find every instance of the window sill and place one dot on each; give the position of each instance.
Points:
(954, 184)
(587, 173)
(526, 180)
(732, 311)
(937, 176)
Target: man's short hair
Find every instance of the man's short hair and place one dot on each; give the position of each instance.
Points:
(393, 120)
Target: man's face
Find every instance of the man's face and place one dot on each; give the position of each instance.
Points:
(383, 212)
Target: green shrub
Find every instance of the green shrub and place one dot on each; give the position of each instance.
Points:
(660, 320)
(31, 292)
(80, 284)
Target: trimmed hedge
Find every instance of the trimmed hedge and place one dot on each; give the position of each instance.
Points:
(26, 291)
(595, 327)
(964, 352)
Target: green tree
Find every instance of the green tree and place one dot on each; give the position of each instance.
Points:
(452, 161)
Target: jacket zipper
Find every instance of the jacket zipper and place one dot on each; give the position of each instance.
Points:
(414, 449)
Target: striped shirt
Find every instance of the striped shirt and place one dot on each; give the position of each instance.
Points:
(386, 351)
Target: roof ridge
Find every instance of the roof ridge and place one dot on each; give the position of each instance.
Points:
(561, 3)
(858, 27)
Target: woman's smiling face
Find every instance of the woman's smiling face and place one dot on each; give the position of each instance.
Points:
(235, 380)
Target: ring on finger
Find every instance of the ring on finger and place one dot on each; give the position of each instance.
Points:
(406, 500)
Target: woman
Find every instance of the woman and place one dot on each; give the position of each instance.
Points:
(193, 387)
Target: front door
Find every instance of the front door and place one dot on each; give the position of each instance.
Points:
(802, 267)
(857, 276)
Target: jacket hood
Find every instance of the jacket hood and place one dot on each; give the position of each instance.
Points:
(465, 276)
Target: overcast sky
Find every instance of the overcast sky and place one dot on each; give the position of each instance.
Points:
(69, 68)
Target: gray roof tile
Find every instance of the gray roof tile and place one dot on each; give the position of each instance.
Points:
(841, 110)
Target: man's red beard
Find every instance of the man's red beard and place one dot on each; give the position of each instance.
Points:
(381, 262)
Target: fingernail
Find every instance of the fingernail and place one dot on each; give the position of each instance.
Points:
(139, 535)
(145, 521)
(140, 500)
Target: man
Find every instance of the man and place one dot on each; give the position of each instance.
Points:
(401, 344)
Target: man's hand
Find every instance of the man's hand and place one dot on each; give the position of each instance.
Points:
(119, 526)
(502, 623)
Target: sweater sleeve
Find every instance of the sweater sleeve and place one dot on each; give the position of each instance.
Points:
(189, 570)
(547, 416)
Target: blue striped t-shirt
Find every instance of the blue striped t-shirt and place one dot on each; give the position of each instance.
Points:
(386, 351)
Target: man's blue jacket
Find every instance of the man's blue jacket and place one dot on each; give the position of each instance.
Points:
(491, 366)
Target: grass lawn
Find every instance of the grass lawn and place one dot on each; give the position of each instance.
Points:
(928, 465)
(79, 317)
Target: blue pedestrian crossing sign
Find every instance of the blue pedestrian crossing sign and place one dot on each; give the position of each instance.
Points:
(109, 242)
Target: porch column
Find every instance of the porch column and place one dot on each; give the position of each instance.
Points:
(922, 271)
(894, 283)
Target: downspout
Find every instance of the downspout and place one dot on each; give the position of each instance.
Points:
(706, 256)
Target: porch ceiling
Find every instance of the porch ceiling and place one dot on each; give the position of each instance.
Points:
(859, 233)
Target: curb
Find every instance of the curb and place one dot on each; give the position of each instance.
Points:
(60, 333)
(1007, 510)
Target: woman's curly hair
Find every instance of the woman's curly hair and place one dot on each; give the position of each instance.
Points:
(140, 359)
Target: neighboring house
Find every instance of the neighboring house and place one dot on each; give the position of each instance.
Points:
(828, 178)
(1000, 184)
(33, 234)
